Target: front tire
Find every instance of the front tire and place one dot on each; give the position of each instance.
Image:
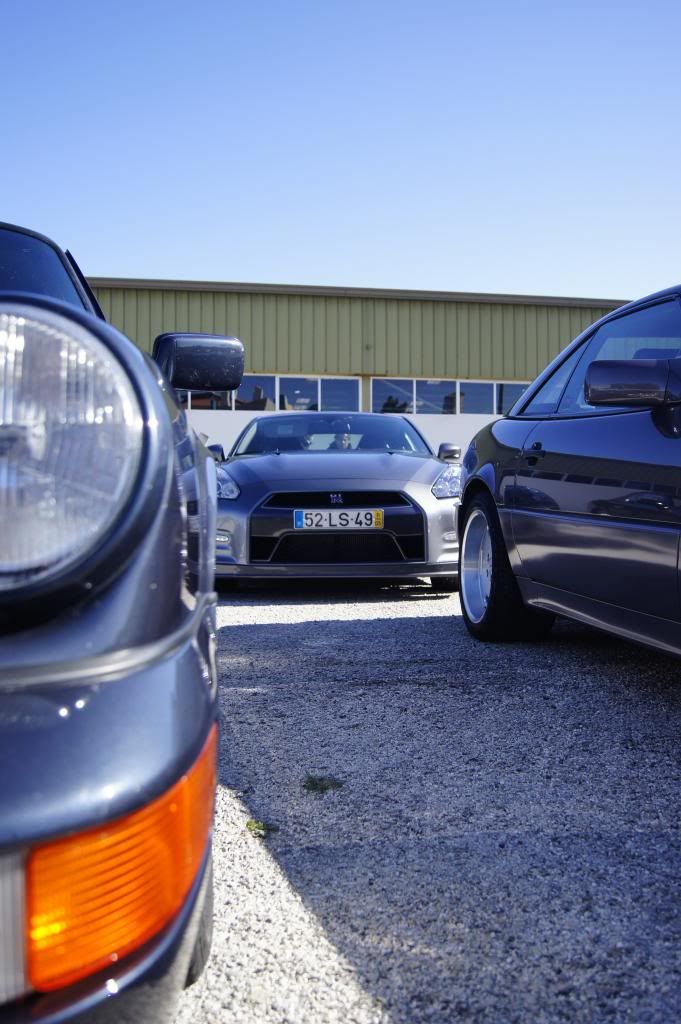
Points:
(491, 603)
(204, 937)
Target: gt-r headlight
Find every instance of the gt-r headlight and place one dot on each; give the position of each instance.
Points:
(448, 484)
(227, 487)
(71, 437)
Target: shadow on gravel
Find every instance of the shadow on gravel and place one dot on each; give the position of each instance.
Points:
(304, 592)
(505, 845)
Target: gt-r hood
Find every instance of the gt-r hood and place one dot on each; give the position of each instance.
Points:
(365, 469)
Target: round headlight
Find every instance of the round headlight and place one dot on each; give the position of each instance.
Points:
(71, 438)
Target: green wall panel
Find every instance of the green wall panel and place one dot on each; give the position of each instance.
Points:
(343, 333)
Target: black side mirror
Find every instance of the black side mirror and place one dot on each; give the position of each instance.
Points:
(449, 452)
(217, 451)
(200, 362)
(637, 382)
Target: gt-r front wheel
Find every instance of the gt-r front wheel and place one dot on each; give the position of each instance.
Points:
(490, 599)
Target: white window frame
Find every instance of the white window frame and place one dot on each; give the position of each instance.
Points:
(475, 380)
(454, 381)
(392, 377)
(522, 383)
(340, 376)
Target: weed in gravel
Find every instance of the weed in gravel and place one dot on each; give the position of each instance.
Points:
(260, 829)
(321, 783)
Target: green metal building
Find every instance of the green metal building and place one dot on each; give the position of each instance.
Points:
(431, 346)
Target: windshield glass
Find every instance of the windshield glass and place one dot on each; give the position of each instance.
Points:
(28, 264)
(333, 433)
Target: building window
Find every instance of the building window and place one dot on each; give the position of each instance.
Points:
(476, 396)
(211, 399)
(392, 394)
(257, 393)
(508, 395)
(436, 397)
(300, 394)
(339, 394)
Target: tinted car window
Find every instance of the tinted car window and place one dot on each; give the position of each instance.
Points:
(28, 264)
(653, 333)
(546, 400)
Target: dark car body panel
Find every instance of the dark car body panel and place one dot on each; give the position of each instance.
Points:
(108, 681)
(590, 507)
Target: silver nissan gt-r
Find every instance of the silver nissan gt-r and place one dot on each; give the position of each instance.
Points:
(347, 495)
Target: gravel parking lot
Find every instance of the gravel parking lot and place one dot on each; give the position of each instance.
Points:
(503, 843)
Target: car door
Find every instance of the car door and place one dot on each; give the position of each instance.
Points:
(597, 495)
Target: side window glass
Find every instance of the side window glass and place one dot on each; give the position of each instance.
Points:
(546, 400)
(653, 333)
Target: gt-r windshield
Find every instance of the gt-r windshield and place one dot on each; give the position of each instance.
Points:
(337, 432)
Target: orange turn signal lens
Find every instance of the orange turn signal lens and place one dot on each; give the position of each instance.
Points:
(97, 895)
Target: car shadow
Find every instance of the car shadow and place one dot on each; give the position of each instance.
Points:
(302, 592)
(485, 832)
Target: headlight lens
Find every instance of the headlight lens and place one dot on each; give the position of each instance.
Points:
(448, 484)
(70, 442)
(227, 487)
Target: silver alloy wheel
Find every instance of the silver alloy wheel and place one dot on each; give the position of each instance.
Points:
(476, 566)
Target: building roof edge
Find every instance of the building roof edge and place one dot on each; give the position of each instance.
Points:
(323, 291)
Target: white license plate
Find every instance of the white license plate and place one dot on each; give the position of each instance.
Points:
(334, 519)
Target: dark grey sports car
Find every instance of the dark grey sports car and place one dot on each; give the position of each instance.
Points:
(337, 495)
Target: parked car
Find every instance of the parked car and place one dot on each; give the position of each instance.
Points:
(352, 495)
(108, 717)
(571, 504)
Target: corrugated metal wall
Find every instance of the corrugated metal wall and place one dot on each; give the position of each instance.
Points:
(358, 334)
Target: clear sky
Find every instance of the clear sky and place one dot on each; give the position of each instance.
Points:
(492, 146)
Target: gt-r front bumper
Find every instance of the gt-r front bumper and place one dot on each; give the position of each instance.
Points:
(418, 538)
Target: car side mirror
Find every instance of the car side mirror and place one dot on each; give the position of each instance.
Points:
(217, 451)
(637, 382)
(200, 362)
(449, 452)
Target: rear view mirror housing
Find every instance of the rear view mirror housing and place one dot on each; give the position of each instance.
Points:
(449, 452)
(217, 451)
(635, 382)
(200, 362)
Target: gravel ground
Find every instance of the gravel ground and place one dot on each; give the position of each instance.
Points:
(505, 845)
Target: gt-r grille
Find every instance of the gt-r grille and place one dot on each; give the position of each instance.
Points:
(337, 548)
(338, 499)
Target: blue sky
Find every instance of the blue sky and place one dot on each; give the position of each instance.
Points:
(496, 147)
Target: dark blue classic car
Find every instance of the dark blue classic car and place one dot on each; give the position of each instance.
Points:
(571, 504)
(108, 719)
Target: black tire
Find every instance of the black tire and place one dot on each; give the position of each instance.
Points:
(204, 936)
(502, 615)
(444, 584)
